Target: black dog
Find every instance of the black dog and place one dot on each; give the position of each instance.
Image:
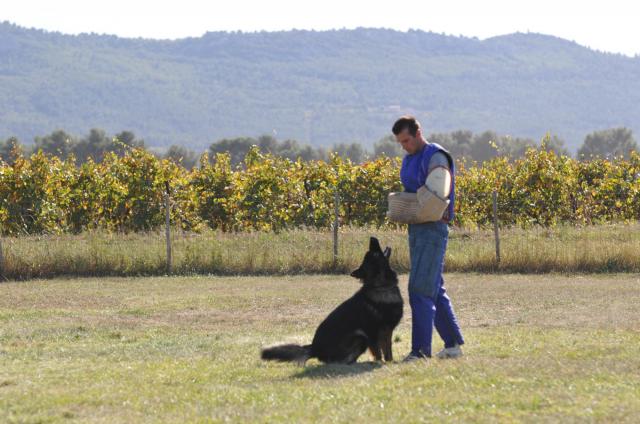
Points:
(367, 319)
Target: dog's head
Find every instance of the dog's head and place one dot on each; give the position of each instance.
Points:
(375, 269)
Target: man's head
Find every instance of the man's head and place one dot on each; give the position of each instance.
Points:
(408, 134)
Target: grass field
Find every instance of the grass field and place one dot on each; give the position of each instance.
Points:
(539, 348)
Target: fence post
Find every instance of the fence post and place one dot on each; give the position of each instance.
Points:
(495, 225)
(167, 225)
(1, 260)
(336, 209)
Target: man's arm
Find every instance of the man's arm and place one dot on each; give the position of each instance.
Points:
(439, 177)
(439, 159)
(433, 195)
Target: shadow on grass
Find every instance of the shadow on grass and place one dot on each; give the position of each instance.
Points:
(336, 370)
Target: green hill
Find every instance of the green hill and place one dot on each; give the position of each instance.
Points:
(317, 87)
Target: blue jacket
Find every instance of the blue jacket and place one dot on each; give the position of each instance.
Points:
(415, 169)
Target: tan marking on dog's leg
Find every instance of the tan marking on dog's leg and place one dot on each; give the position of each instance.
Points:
(376, 352)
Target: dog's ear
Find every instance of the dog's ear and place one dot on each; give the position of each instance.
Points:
(387, 252)
(358, 273)
(374, 245)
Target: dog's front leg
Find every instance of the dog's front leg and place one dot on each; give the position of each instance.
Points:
(376, 351)
(386, 341)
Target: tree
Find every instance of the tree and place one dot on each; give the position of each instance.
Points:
(287, 149)
(236, 147)
(309, 153)
(608, 143)
(10, 150)
(58, 143)
(353, 152)
(387, 146)
(484, 146)
(125, 140)
(267, 144)
(443, 139)
(92, 146)
(556, 144)
(461, 144)
(290, 149)
(182, 156)
(514, 147)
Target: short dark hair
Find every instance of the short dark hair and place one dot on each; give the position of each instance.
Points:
(406, 122)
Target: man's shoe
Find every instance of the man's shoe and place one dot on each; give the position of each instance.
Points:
(412, 357)
(450, 352)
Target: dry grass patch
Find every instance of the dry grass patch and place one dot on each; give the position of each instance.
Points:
(603, 248)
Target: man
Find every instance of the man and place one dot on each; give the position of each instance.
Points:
(428, 169)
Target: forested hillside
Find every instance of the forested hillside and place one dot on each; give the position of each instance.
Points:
(319, 88)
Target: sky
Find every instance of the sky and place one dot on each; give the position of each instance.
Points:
(611, 25)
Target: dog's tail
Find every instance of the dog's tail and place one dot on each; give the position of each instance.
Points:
(287, 353)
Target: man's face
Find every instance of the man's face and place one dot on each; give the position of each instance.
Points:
(409, 143)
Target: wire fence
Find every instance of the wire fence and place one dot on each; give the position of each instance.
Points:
(336, 249)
